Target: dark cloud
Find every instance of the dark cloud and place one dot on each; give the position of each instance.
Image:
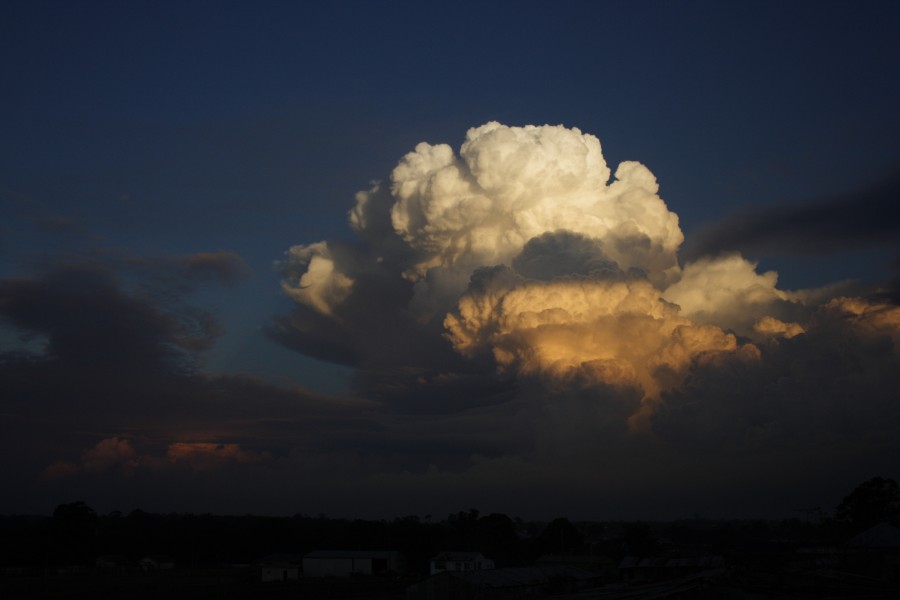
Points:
(89, 321)
(104, 311)
(400, 355)
(102, 395)
(563, 253)
(188, 271)
(101, 402)
(890, 290)
(224, 267)
(867, 217)
(833, 384)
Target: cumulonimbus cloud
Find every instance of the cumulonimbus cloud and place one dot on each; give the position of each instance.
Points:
(520, 284)
(524, 254)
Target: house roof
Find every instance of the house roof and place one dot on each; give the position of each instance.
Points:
(883, 535)
(573, 559)
(387, 554)
(711, 561)
(280, 559)
(459, 556)
(518, 576)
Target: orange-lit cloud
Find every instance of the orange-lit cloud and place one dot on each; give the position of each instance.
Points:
(617, 332)
(875, 318)
(118, 455)
(770, 326)
(110, 454)
(320, 286)
(726, 291)
(204, 456)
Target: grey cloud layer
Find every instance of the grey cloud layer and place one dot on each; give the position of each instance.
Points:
(867, 217)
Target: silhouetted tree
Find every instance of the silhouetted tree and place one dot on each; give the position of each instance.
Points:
(75, 512)
(462, 529)
(560, 537)
(74, 526)
(495, 536)
(872, 501)
(640, 540)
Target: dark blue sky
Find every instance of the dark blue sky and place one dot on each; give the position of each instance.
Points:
(168, 129)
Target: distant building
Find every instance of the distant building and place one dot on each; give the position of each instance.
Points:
(508, 584)
(460, 561)
(157, 562)
(883, 536)
(347, 563)
(876, 553)
(280, 567)
(638, 569)
(111, 562)
(602, 565)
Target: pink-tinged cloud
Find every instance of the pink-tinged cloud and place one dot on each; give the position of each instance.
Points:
(107, 455)
(204, 456)
(118, 455)
(60, 470)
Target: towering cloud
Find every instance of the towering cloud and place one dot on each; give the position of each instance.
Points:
(522, 260)
(510, 184)
(522, 255)
(727, 291)
(444, 215)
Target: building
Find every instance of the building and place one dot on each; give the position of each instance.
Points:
(519, 583)
(876, 553)
(460, 561)
(348, 563)
(601, 565)
(637, 569)
(280, 567)
(112, 562)
(157, 562)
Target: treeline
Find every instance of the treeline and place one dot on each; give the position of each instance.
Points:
(76, 535)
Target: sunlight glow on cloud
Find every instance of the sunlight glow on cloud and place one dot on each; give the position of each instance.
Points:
(574, 329)
(107, 455)
(118, 455)
(726, 291)
(319, 286)
(873, 318)
(770, 326)
(203, 456)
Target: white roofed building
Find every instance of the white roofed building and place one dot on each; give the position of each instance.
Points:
(348, 563)
(460, 561)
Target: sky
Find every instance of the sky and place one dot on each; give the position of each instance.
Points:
(369, 259)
